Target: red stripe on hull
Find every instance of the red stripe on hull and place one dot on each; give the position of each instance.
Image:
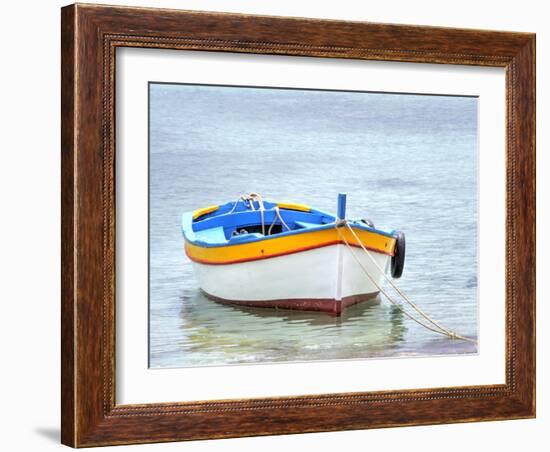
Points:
(328, 305)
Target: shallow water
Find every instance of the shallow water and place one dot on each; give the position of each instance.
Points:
(407, 162)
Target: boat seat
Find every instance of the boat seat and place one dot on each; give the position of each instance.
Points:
(212, 235)
(243, 238)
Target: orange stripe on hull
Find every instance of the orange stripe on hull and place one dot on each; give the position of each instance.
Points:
(282, 246)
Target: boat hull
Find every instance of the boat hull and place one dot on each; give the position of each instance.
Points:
(326, 279)
(328, 305)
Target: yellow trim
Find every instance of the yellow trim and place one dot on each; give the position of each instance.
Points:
(203, 211)
(286, 245)
(294, 206)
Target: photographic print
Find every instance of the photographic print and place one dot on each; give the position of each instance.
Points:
(290, 225)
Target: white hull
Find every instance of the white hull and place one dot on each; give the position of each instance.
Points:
(327, 273)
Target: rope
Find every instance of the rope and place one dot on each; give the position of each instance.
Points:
(234, 206)
(277, 215)
(249, 199)
(258, 197)
(390, 299)
(438, 328)
(407, 299)
(243, 198)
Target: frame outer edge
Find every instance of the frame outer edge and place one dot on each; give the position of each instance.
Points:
(533, 120)
(68, 242)
(525, 62)
(88, 417)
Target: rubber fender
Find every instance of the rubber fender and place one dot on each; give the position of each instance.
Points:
(398, 259)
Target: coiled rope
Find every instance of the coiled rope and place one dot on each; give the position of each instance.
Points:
(435, 326)
(249, 198)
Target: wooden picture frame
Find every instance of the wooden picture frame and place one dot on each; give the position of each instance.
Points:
(90, 35)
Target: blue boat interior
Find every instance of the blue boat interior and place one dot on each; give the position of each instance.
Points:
(241, 222)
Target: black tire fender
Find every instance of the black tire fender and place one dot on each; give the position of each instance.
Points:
(398, 259)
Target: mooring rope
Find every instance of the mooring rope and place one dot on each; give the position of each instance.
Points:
(439, 329)
(407, 299)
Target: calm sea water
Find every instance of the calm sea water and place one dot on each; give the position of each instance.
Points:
(407, 162)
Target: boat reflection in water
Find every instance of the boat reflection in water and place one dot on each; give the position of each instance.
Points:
(212, 333)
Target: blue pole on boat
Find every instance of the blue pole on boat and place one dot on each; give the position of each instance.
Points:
(341, 206)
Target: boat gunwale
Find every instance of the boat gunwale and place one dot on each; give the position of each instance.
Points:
(189, 234)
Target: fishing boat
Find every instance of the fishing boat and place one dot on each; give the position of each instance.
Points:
(284, 255)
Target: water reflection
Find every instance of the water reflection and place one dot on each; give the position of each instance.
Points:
(216, 332)
(398, 328)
